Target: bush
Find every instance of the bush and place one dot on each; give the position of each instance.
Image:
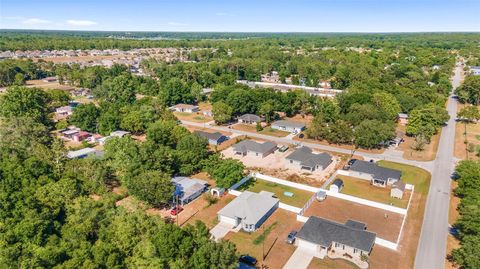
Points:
(211, 199)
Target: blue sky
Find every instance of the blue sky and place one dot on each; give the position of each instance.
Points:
(243, 15)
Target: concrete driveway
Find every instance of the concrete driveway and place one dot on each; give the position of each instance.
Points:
(220, 230)
(300, 259)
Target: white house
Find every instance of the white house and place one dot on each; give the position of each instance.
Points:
(398, 189)
(289, 126)
(249, 210)
(305, 159)
(379, 176)
(186, 108)
(253, 148)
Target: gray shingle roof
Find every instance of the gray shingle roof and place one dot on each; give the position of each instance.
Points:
(378, 172)
(211, 136)
(250, 206)
(250, 118)
(287, 123)
(250, 145)
(306, 158)
(399, 185)
(323, 232)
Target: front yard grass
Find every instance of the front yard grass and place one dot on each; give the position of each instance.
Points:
(266, 131)
(412, 175)
(363, 189)
(195, 117)
(298, 199)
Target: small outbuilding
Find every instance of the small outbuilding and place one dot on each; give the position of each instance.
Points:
(398, 189)
(337, 185)
(321, 195)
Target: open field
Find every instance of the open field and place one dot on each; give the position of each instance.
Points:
(473, 137)
(363, 189)
(277, 251)
(266, 131)
(428, 154)
(195, 117)
(386, 224)
(299, 198)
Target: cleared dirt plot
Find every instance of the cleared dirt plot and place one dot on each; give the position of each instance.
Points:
(275, 229)
(299, 198)
(275, 165)
(363, 189)
(200, 209)
(386, 224)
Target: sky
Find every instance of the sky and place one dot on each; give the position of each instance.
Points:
(243, 15)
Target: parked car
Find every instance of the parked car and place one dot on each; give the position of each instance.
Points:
(301, 136)
(247, 259)
(351, 161)
(176, 210)
(283, 148)
(291, 237)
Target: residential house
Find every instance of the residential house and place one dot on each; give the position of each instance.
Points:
(186, 108)
(208, 113)
(80, 136)
(402, 118)
(64, 111)
(207, 91)
(252, 148)
(187, 189)
(70, 132)
(119, 133)
(398, 189)
(475, 70)
(324, 237)
(249, 210)
(83, 153)
(379, 176)
(213, 138)
(249, 119)
(289, 126)
(336, 186)
(49, 79)
(305, 159)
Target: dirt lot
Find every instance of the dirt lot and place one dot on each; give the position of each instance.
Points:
(386, 224)
(276, 250)
(276, 162)
(195, 117)
(473, 136)
(428, 154)
(363, 189)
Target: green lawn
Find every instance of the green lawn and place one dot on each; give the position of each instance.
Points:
(298, 199)
(361, 188)
(411, 175)
(273, 132)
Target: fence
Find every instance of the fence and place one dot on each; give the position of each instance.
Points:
(307, 204)
(240, 183)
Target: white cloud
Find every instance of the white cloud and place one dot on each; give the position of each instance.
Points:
(177, 24)
(81, 23)
(33, 21)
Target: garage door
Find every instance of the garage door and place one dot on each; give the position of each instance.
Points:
(228, 220)
(307, 245)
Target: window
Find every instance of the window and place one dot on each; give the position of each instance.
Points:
(291, 161)
(343, 247)
(354, 250)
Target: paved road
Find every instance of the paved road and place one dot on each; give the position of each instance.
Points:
(433, 238)
(389, 155)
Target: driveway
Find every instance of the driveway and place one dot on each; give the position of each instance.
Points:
(300, 259)
(220, 230)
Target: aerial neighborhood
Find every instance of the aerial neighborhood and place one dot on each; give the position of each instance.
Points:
(238, 150)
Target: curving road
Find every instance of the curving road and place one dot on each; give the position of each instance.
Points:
(431, 251)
